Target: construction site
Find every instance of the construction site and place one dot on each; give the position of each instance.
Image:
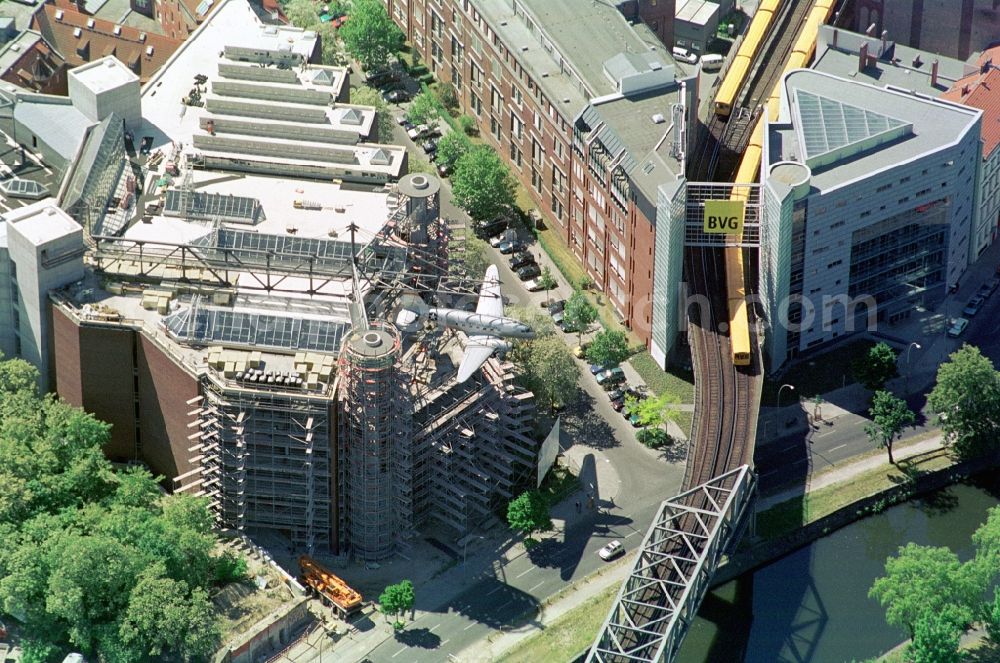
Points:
(233, 323)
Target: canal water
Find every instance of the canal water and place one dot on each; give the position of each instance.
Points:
(812, 606)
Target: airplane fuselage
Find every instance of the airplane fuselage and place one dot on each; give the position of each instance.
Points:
(479, 323)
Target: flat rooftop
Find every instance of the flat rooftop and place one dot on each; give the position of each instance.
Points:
(855, 129)
(42, 222)
(104, 74)
(235, 24)
(896, 65)
(326, 208)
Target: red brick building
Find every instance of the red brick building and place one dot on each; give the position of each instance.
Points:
(531, 72)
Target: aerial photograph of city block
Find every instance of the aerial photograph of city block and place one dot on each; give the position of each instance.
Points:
(514, 331)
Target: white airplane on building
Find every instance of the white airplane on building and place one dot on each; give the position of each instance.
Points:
(486, 327)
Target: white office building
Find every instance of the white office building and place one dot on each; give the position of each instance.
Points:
(869, 197)
(41, 249)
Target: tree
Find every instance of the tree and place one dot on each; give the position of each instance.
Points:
(966, 399)
(302, 13)
(397, 598)
(547, 281)
(366, 96)
(890, 415)
(423, 108)
(370, 34)
(924, 579)
(935, 638)
(451, 148)
(608, 348)
(992, 619)
(482, 185)
(551, 373)
(652, 413)
(579, 313)
(877, 367)
(529, 513)
(329, 49)
(446, 94)
(476, 259)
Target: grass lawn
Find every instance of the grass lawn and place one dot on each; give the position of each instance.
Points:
(826, 372)
(676, 381)
(685, 420)
(794, 513)
(568, 635)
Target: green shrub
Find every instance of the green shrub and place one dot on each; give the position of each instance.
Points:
(230, 568)
(468, 125)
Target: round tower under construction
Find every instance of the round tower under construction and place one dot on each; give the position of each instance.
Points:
(376, 467)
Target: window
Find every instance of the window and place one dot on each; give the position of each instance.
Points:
(515, 155)
(537, 121)
(536, 180)
(518, 99)
(516, 127)
(476, 105)
(495, 128)
(537, 153)
(558, 182)
(496, 100)
(557, 208)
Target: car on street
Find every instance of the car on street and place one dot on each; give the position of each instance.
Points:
(957, 327)
(634, 420)
(396, 96)
(557, 319)
(973, 306)
(501, 237)
(444, 170)
(417, 132)
(522, 259)
(580, 351)
(490, 228)
(509, 246)
(555, 306)
(611, 551)
(381, 77)
(429, 146)
(597, 368)
(529, 271)
(988, 288)
(533, 285)
(611, 378)
(404, 122)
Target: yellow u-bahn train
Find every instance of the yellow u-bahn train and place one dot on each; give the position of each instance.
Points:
(739, 68)
(802, 52)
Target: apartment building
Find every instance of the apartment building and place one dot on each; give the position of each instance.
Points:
(586, 107)
(869, 197)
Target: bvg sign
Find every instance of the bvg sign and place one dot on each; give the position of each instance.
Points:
(724, 216)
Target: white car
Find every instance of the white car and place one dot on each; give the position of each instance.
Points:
(612, 550)
(534, 285)
(418, 131)
(957, 327)
(685, 55)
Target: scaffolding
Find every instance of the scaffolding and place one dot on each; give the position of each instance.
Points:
(375, 455)
(475, 446)
(264, 461)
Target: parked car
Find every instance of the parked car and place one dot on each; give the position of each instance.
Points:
(417, 132)
(557, 319)
(444, 170)
(988, 288)
(490, 228)
(973, 306)
(381, 77)
(404, 121)
(502, 236)
(611, 551)
(685, 55)
(396, 96)
(529, 272)
(522, 259)
(957, 327)
(509, 246)
(597, 368)
(533, 285)
(429, 146)
(611, 377)
(556, 306)
(580, 351)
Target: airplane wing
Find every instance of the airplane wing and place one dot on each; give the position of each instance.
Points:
(490, 301)
(475, 356)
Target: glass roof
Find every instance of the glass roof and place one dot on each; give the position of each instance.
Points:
(263, 329)
(20, 188)
(204, 205)
(831, 130)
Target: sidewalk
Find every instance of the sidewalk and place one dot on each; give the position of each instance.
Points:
(848, 470)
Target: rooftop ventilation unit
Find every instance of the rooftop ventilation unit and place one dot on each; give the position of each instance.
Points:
(142, 36)
(658, 118)
(90, 23)
(59, 14)
(118, 29)
(149, 50)
(77, 32)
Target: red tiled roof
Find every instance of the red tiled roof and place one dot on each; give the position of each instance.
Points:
(982, 91)
(130, 45)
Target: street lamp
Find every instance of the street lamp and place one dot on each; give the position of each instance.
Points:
(906, 378)
(777, 403)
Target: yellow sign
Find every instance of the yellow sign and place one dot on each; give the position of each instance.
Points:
(724, 216)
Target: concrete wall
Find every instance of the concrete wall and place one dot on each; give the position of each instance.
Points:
(269, 635)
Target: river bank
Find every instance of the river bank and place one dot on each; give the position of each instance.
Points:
(793, 523)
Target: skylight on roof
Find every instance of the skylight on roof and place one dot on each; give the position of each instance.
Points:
(831, 130)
